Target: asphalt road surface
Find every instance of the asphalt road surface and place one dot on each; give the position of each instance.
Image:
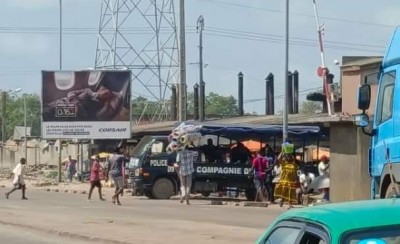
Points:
(15, 235)
(138, 219)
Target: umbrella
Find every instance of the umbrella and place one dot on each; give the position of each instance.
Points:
(253, 146)
(104, 155)
(320, 182)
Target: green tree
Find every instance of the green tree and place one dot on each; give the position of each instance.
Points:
(310, 107)
(14, 114)
(215, 104)
(141, 106)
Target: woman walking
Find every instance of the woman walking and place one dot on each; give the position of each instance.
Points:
(286, 187)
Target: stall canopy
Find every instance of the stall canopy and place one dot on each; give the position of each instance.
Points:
(244, 132)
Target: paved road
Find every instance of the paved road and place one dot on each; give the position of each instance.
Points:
(138, 219)
(10, 234)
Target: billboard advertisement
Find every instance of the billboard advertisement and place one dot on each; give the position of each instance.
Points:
(91, 104)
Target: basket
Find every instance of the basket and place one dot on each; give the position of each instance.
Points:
(288, 148)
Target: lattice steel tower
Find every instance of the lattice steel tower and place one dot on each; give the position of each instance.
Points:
(141, 35)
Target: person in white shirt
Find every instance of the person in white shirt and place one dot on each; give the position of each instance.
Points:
(305, 180)
(323, 166)
(18, 182)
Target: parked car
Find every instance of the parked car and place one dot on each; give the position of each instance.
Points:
(358, 222)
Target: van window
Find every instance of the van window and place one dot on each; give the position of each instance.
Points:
(385, 100)
(158, 147)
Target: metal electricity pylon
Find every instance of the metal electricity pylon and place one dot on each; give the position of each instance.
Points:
(141, 36)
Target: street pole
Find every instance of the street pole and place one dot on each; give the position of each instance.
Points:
(182, 62)
(60, 34)
(200, 28)
(3, 116)
(25, 128)
(60, 146)
(285, 84)
(3, 123)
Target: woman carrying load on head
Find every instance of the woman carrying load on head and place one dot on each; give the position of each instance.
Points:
(285, 189)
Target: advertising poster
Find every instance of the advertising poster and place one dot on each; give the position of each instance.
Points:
(90, 104)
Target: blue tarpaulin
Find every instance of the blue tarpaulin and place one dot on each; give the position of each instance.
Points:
(243, 131)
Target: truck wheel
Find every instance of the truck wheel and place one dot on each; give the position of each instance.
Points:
(163, 189)
(389, 191)
(250, 194)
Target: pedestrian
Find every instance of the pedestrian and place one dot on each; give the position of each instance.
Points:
(116, 167)
(259, 167)
(323, 166)
(286, 187)
(95, 178)
(276, 173)
(70, 168)
(184, 165)
(18, 182)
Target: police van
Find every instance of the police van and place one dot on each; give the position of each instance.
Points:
(151, 170)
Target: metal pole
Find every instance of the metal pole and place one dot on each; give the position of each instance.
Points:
(3, 116)
(26, 131)
(285, 84)
(60, 34)
(60, 146)
(321, 46)
(200, 28)
(182, 62)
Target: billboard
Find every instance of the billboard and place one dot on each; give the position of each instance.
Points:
(92, 104)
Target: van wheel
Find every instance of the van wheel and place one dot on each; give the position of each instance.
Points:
(389, 191)
(163, 189)
(250, 194)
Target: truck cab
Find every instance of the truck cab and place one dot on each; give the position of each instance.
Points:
(384, 153)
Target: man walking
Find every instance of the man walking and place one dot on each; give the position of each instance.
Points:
(184, 163)
(116, 166)
(95, 178)
(18, 182)
(70, 168)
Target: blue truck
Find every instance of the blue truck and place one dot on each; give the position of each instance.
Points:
(384, 152)
(151, 171)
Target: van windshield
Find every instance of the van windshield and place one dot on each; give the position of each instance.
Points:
(142, 146)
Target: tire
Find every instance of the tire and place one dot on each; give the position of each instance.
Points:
(205, 194)
(163, 188)
(389, 191)
(250, 194)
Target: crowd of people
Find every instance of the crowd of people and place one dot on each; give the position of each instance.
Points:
(278, 178)
(283, 178)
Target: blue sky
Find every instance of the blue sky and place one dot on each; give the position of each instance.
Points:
(357, 27)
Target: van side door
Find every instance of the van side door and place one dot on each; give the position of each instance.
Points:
(382, 142)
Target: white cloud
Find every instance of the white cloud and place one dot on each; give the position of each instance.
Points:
(23, 44)
(32, 4)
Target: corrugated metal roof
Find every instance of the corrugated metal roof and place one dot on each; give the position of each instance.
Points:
(256, 120)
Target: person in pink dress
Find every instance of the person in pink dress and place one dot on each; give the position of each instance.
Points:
(95, 178)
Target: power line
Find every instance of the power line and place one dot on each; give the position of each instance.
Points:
(258, 34)
(293, 42)
(300, 14)
(280, 96)
(216, 31)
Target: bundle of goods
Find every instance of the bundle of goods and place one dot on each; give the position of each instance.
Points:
(183, 135)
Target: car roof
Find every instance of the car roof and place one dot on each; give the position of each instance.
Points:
(343, 217)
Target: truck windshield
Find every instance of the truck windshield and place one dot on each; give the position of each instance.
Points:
(141, 147)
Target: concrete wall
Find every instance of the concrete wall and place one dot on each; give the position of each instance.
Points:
(351, 81)
(41, 156)
(349, 163)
